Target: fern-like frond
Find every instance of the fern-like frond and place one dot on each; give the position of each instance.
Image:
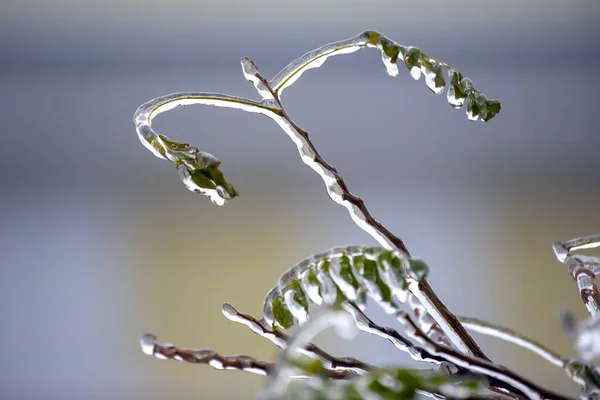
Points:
(350, 273)
(460, 89)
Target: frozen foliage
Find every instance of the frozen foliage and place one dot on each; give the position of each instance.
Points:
(330, 289)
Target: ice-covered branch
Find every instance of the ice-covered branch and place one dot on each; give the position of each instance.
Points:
(494, 372)
(392, 53)
(281, 340)
(500, 332)
(376, 383)
(582, 268)
(149, 345)
(199, 171)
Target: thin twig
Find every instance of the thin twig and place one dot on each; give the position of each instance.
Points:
(498, 376)
(494, 372)
(281, 340)
(212, 358)
(500, 332)
(338, 192)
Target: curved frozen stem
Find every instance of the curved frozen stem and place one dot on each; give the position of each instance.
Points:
(392, 53)
(314, 59)
(281, 340)
(149, 345)
(199, 171)
(500, 332)
(582, 268)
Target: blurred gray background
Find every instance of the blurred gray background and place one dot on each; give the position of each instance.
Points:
(101, 242)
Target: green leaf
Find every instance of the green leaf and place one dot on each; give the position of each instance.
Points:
(346, 272)
(413, 59)
(492, 107)
(391, 49)
(283, 316)
(299, 295)
(419, 268)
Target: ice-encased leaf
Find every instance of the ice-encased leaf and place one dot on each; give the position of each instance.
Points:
(493, 107)
(209, 181)
(434, 76)
(389, 55)
(413, 60)
(419, 268)
(350, 273)
(480, 108)
(472, 108)
(456, 96)
(283, 316)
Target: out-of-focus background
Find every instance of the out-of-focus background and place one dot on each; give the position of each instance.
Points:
(101, 242)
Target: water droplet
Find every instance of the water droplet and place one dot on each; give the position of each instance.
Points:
(148, 342)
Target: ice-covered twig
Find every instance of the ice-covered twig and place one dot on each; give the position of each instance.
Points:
(281, 340)
(500, 332)
(386, 382)
(212, 358)
(392, 54)
(494, 372)
(421, 353)
(199, 171)
(582, 268)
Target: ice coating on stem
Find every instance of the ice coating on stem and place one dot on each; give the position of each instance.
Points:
(582, 268)
(280, 339)
(486, 328)
(199, 171)
(202, 175)
(415, 61)
(149, 345)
